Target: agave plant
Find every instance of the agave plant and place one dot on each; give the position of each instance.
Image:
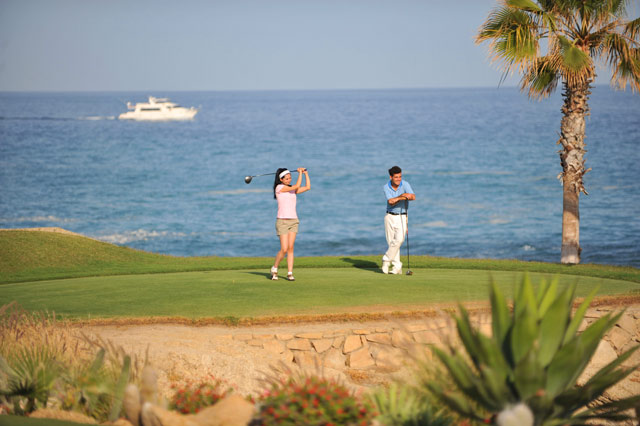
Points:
(27, 383)
(535, 356)
(93, 390)
(400, 405)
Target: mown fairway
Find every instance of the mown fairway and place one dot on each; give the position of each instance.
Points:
(82, 278)
(249, 293)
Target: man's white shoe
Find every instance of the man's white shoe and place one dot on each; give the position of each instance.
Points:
(385, 266)
(397, 269)
(274, 273)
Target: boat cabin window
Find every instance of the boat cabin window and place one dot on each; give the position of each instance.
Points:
(149, 109)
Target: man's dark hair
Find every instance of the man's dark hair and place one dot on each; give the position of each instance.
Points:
(394, 170)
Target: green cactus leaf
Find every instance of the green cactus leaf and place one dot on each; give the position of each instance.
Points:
(97, 362)
(524, 334)
(493, 356)
(525, 300)
(553, 327)
(118, 395)
(529, 376)
(497, 388)
(548, 297)
(579, 315)
(500, 319)
(563, 369)
(572, 358)
(469, 338)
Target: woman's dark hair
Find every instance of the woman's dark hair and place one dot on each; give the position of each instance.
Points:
(394, 170)
(277, 181)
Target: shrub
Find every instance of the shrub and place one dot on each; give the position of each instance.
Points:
(191, 398)
(400, 405)
(312, 401)
(534, 356)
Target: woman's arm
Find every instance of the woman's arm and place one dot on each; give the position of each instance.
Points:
(307, 186)
(287, 188)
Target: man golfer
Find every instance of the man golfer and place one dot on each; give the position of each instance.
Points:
(398, 193)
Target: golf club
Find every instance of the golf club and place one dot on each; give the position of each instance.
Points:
(248, 179)
(406, 209)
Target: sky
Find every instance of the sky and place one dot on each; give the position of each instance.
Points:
(129, 45)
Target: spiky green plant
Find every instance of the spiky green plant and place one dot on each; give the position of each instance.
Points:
(535, 355)
(400, 405)
(94, 389)
(27, 380)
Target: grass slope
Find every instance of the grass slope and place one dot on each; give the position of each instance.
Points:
(34, 256)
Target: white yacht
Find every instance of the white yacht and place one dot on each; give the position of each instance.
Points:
(157, 109)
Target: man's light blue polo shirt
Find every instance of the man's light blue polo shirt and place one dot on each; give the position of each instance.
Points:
(402, 205)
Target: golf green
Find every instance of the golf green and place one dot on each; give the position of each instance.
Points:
(250, 293)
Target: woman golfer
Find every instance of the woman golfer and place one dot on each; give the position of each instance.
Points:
(287, 219)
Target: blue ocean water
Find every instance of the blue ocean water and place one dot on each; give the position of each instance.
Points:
(483, 163)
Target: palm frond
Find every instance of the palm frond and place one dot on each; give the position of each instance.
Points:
(527, 5)
(513, 37)
(632, 30)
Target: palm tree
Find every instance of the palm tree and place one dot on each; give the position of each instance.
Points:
(548, 41)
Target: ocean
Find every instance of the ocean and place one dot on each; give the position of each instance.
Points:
(483, 163)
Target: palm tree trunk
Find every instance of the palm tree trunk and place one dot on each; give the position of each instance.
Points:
(572, 134)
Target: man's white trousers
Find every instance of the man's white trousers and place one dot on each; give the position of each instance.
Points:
(395, 228)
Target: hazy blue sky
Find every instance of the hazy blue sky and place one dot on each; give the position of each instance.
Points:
(242, 44)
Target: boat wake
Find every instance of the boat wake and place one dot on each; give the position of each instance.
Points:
(90, 118)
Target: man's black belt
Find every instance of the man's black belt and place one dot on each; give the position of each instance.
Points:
(396, 214)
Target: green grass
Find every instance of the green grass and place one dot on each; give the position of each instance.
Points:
(81, 278)
(9, 420)
(33, 256)
(250, 294)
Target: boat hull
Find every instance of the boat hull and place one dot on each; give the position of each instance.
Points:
(187, 114)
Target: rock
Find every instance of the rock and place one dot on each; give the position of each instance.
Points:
(338, 341)
(603, 355)
(486, 329)
(383, 338)
(628, 324)
(284, 336)
(69, 416)
(287, 355)
(401, 339)
(255, 342)
(149, 385)
(389, 358)
(243, 337)
(427, 337)
(322, 344)
(121, 422)
(152, 415)
(299, 344)
(335, 359)
(351, 343)
(273, 346)
(309, 335)
(334, 333)
(306, 359)
(618, 337)
(361, 331)
(634, 359)
(263, 336)
(131, 403)
(360, 359)
(233, 410)
(417, 327)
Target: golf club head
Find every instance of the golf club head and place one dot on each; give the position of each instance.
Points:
(247, 179)
(409, 272)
